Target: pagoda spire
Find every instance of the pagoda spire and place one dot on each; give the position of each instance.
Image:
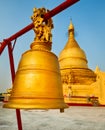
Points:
(71, 28)
(71, 38)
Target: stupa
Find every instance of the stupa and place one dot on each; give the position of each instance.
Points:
(80, 84)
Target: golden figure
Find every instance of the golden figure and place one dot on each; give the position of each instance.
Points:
(42, 28)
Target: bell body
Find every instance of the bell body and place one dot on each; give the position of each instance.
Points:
(37, 83)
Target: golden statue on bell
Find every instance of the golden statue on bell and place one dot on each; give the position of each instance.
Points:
(42, 28)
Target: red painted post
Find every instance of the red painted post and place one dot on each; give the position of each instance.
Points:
(12, 68)
(11, 60)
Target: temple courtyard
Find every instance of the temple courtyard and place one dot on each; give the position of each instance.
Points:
(74, 118)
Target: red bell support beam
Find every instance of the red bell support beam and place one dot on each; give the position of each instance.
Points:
(48, 15)
(12, 68)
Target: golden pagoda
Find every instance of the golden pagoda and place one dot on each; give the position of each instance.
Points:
(80, 84)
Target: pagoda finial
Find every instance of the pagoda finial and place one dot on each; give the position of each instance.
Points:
(71, 28)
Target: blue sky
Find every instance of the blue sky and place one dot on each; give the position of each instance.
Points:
(88, 17)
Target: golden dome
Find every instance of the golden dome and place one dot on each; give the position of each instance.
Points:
(73, 62)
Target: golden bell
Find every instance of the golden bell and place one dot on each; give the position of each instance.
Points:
(37, 83)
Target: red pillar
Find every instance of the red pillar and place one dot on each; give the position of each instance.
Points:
(12, 68)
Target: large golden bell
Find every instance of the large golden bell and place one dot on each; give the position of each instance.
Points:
(37, 83)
